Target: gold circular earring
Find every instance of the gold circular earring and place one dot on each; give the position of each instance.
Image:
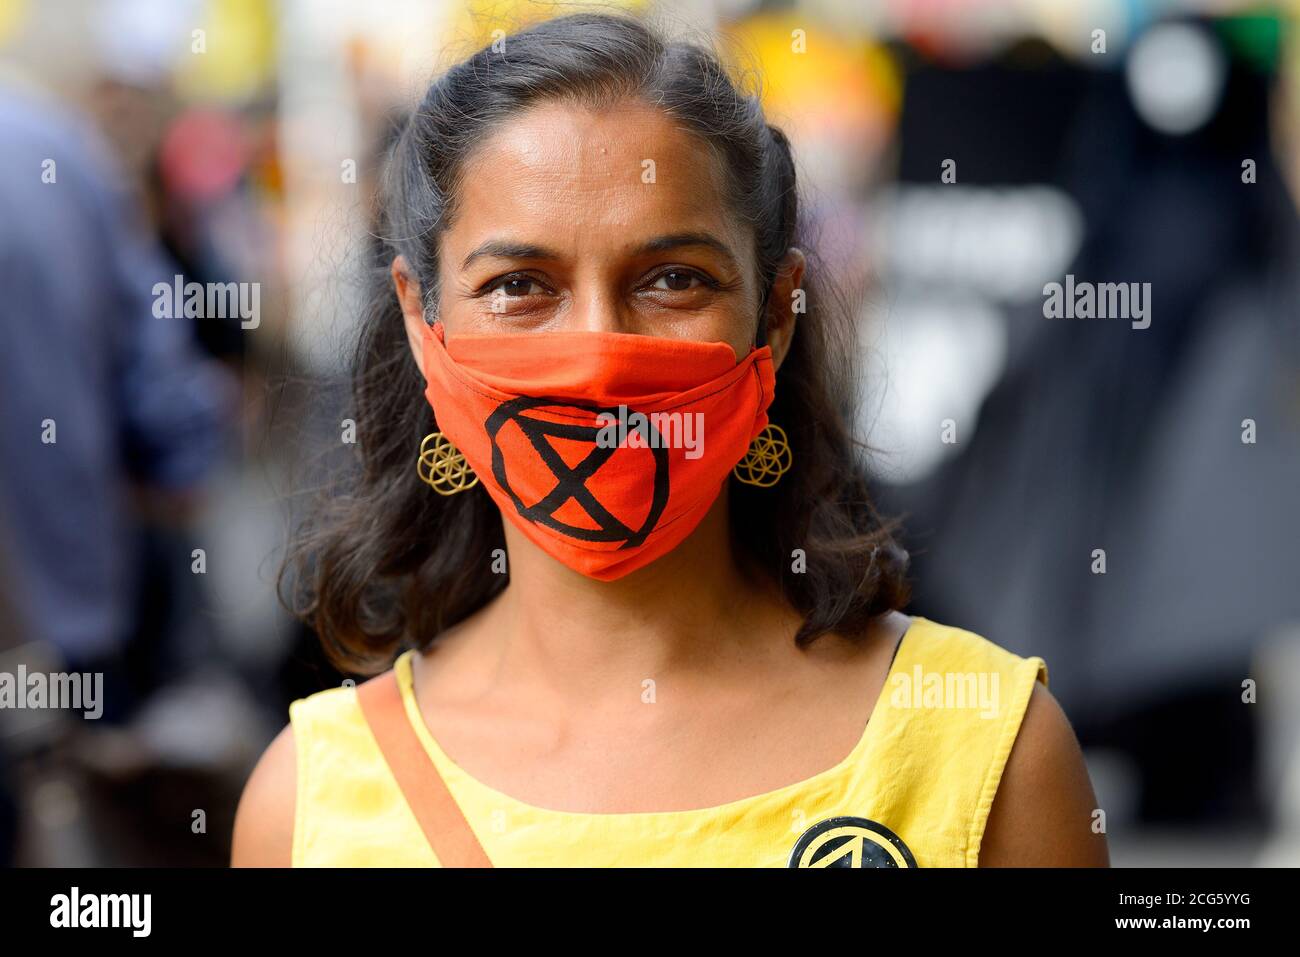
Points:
(442, 466)
(767, 458)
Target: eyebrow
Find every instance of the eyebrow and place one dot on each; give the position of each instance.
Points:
(504, 249)
(679, 240)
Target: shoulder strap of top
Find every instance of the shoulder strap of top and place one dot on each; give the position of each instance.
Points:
(438, 814)
(946, 723)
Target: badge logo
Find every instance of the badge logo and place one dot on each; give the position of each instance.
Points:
(850, 842)
(534, 419)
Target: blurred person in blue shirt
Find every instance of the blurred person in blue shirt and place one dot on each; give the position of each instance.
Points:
(101, 402)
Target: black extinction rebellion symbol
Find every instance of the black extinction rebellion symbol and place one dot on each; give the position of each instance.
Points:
(572, 482)
(850, 842)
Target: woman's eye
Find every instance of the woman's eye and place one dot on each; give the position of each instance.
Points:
(515, 287)
(676, 281)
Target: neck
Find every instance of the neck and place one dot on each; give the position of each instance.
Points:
(685, 611)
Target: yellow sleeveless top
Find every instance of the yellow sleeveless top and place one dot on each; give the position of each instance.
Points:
(915, 791)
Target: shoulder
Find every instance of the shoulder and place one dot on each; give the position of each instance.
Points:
(943, 647)
(268, 808)
(264, 822)
(1035, 804)
(1044, 812)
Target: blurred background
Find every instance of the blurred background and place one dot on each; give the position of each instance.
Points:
(956, 157)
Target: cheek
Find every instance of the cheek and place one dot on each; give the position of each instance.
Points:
(462, 315)
(731, 322)
(467, 318)
(741, 328)
(740, 334)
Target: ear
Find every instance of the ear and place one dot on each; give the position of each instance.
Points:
(783, 305)
(412, 303)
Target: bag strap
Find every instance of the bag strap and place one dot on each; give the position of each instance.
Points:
(436, 811)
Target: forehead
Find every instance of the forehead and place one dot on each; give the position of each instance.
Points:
(584, 177)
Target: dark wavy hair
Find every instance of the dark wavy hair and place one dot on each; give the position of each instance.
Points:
(381, 562)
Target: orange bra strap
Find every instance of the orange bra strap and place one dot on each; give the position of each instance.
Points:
(437, 812)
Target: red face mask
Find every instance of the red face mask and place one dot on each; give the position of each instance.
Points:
(605, 449)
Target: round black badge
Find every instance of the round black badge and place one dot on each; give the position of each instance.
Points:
(850, 842)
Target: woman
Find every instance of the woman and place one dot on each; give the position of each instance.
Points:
(638, 626)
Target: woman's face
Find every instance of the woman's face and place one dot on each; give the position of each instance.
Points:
(604, 221)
